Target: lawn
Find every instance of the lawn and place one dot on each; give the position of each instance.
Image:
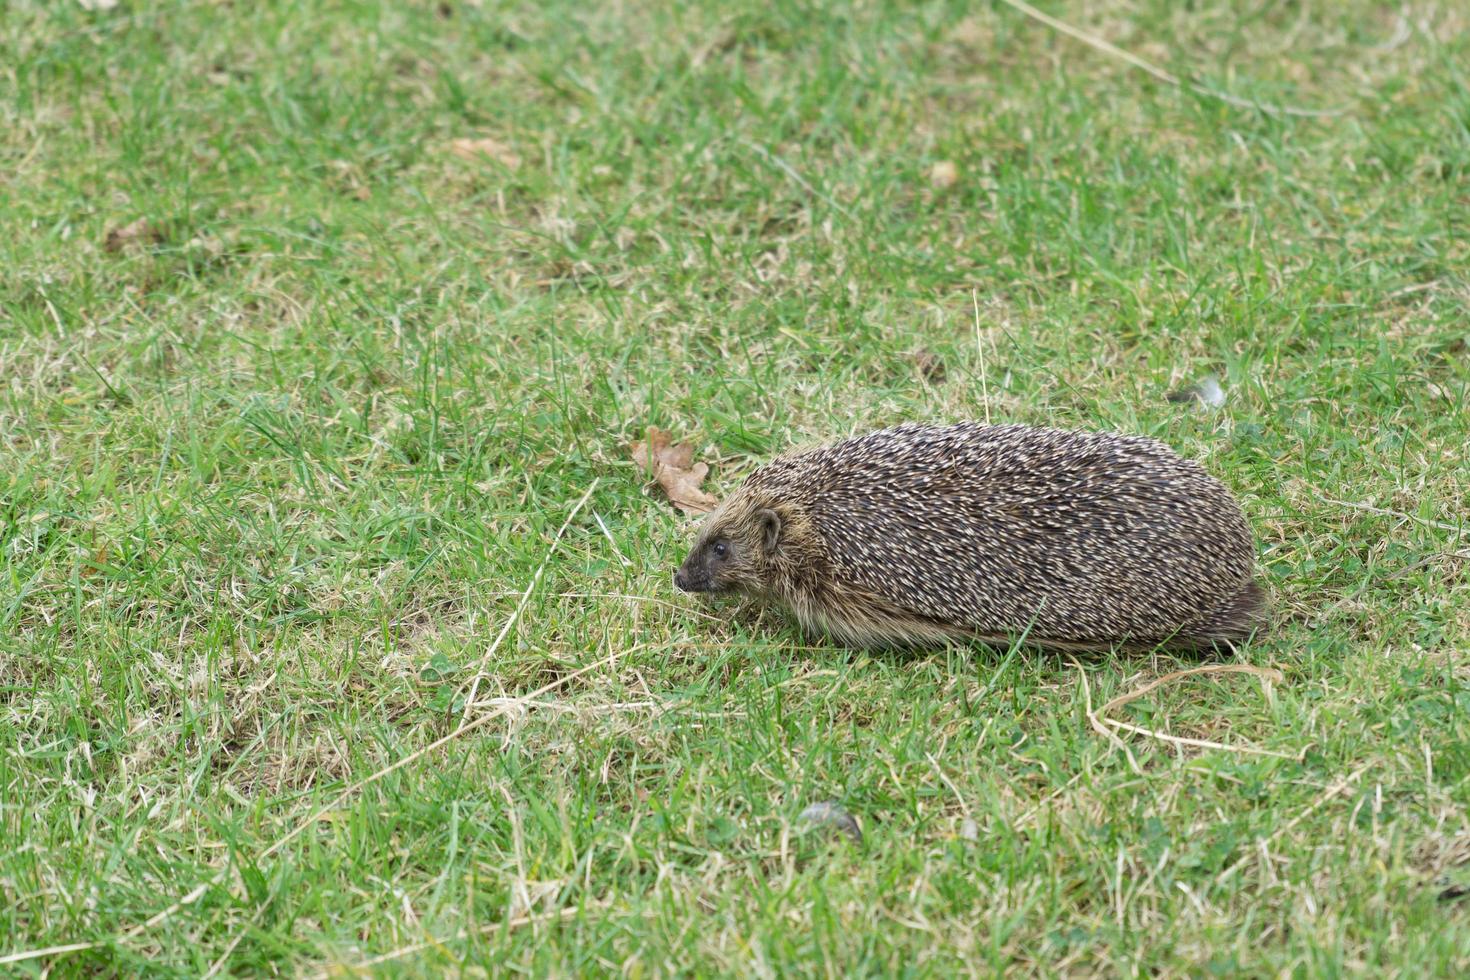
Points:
(336, 620)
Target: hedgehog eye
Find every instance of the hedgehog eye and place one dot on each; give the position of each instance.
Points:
(720, 548)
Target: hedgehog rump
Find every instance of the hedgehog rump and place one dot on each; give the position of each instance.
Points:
(921, 535)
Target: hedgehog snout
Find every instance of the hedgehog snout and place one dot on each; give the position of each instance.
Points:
(687, 579)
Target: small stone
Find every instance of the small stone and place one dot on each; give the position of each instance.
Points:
(969, 830)
(944, 174)
(829, 814)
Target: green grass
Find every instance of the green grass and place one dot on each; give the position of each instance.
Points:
(273, 477)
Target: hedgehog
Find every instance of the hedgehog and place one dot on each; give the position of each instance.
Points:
(922, 535)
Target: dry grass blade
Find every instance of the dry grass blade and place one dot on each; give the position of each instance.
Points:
(516, 923)
(1100, 719)
(1199, 743)
(1386, 512)
(168, 913)
(1099, 727)
(1166, 77)
(602, 526)
(1275, 676)
(980, 350)
(525, 598)
(36, 954)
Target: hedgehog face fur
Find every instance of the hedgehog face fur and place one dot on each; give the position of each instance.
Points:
(734, 549)
(918, 535)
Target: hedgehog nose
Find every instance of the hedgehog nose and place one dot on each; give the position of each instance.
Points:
(681, 581)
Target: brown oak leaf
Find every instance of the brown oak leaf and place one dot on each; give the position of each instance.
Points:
(673, 466)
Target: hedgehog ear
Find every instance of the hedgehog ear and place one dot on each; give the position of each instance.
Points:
(770, 525)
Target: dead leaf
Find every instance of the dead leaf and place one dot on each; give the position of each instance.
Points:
(99, 559)
(674, 468)
(476, 148)
(137, 231)
(931, 367)
(944, 174)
